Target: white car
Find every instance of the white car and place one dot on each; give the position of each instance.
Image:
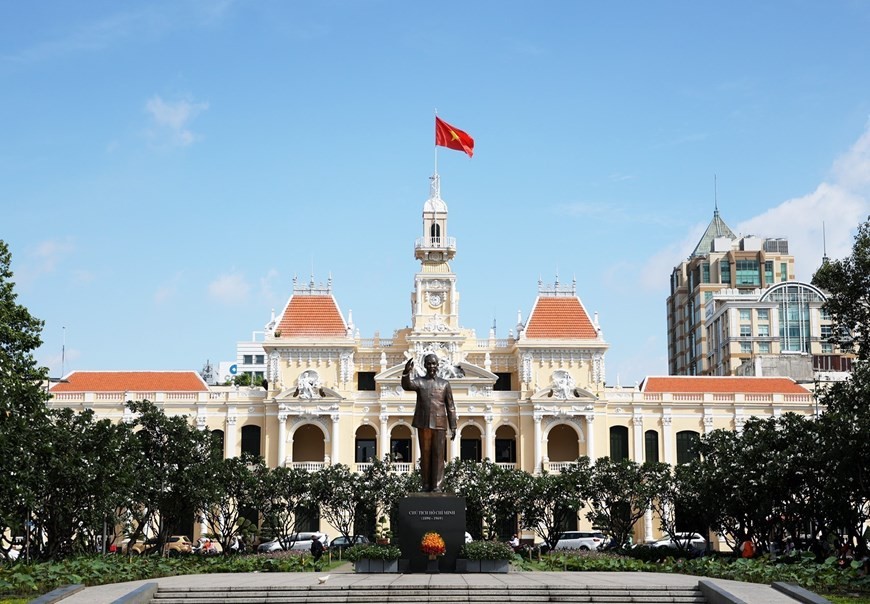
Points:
(685, 540)
(582, 540)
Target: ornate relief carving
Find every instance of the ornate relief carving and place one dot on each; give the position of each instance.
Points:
(563, 385)
(436, 324)
(346, 366)
(308, 385)
(527, 367)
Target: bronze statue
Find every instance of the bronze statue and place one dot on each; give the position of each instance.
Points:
(434, 414)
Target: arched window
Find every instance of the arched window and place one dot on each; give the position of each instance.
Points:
(563, 444)
(687, 446)
(218, 441)
(308, 444)
(366, 445)
(435, 233)
(251, 440)
(505, 445)
(400, 444)
(651, 445)
(618, 443)
(469, 444)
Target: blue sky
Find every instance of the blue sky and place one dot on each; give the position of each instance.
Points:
(166, 168)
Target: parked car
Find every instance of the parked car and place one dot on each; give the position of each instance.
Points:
(342, 543)
(175, 545)
(299, 542)
(582, 540)
(685, 540)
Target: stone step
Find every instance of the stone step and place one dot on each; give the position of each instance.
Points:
(413, 594)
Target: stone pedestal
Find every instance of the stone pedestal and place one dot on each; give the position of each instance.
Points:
(419, 513)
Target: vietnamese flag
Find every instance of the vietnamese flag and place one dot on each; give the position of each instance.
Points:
(452, 138)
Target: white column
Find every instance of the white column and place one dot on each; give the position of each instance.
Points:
(454, 446)
(538, 437)
(419, 301)
(282, 438)
(637, 427)
(590, 437)
(230, 436)
(335, 439)
(489, 438)
(648, 525)
(667, 436)
(384, 437)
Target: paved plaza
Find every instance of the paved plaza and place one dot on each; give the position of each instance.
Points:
(751, 593)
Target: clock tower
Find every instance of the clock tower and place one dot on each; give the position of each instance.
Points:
(435, 301)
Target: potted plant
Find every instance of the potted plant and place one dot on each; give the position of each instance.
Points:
(382, 533)
(485, 557)
(433, 546)
(374, 558)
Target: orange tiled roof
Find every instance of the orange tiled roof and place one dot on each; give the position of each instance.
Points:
(559, 317)
(730, 385)
(311, 316)
(132, 381)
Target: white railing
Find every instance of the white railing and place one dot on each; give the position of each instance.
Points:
(402, 468)
(376, 342)
(311, 466)
(507, 466)
(436, 242)
(556, 467)
(362, 467)
(496, 343)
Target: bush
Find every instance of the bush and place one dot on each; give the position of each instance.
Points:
(42, 577)
(486, 550)
(372, 551)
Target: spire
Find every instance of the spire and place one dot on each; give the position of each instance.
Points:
(717, 228)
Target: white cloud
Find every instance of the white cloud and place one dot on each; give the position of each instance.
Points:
(44, 259)
(172, 120)
(840, 203)
(231, 288)
(656, 271)
(267, 286)
(167, 291)
(800, 221)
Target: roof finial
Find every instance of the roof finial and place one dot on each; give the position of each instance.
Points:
(825, 258)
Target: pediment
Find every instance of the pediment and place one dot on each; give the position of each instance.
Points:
(575, 396)
(464, 373)
(322, 395)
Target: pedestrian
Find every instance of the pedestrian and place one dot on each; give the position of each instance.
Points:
(316, 550)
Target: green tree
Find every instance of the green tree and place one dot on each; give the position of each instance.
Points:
(81, 464)
(237, 484)
(288, 494)
(847, 282)
(847, 419)
(547, 500)
(168, 450)
(489, 491)
(386, 487)
(339, 493)
(23, 417)
(620, 494)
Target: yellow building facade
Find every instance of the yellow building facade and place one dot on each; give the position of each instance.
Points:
(535, 401)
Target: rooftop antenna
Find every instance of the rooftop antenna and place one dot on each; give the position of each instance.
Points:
(824, 245)
(63, 353)
(715, 195)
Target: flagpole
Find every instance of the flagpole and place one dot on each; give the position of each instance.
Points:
(436, 148)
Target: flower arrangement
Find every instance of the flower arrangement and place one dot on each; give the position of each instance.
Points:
(433, 544)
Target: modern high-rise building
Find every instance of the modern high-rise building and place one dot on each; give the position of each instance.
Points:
(735, 308)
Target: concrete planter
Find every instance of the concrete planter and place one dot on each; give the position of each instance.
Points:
(368, 565)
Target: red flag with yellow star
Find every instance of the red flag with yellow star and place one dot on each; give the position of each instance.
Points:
(452, 138)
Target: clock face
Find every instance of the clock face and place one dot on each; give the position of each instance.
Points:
(435, 300)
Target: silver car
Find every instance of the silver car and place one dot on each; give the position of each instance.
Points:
(582, 540)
